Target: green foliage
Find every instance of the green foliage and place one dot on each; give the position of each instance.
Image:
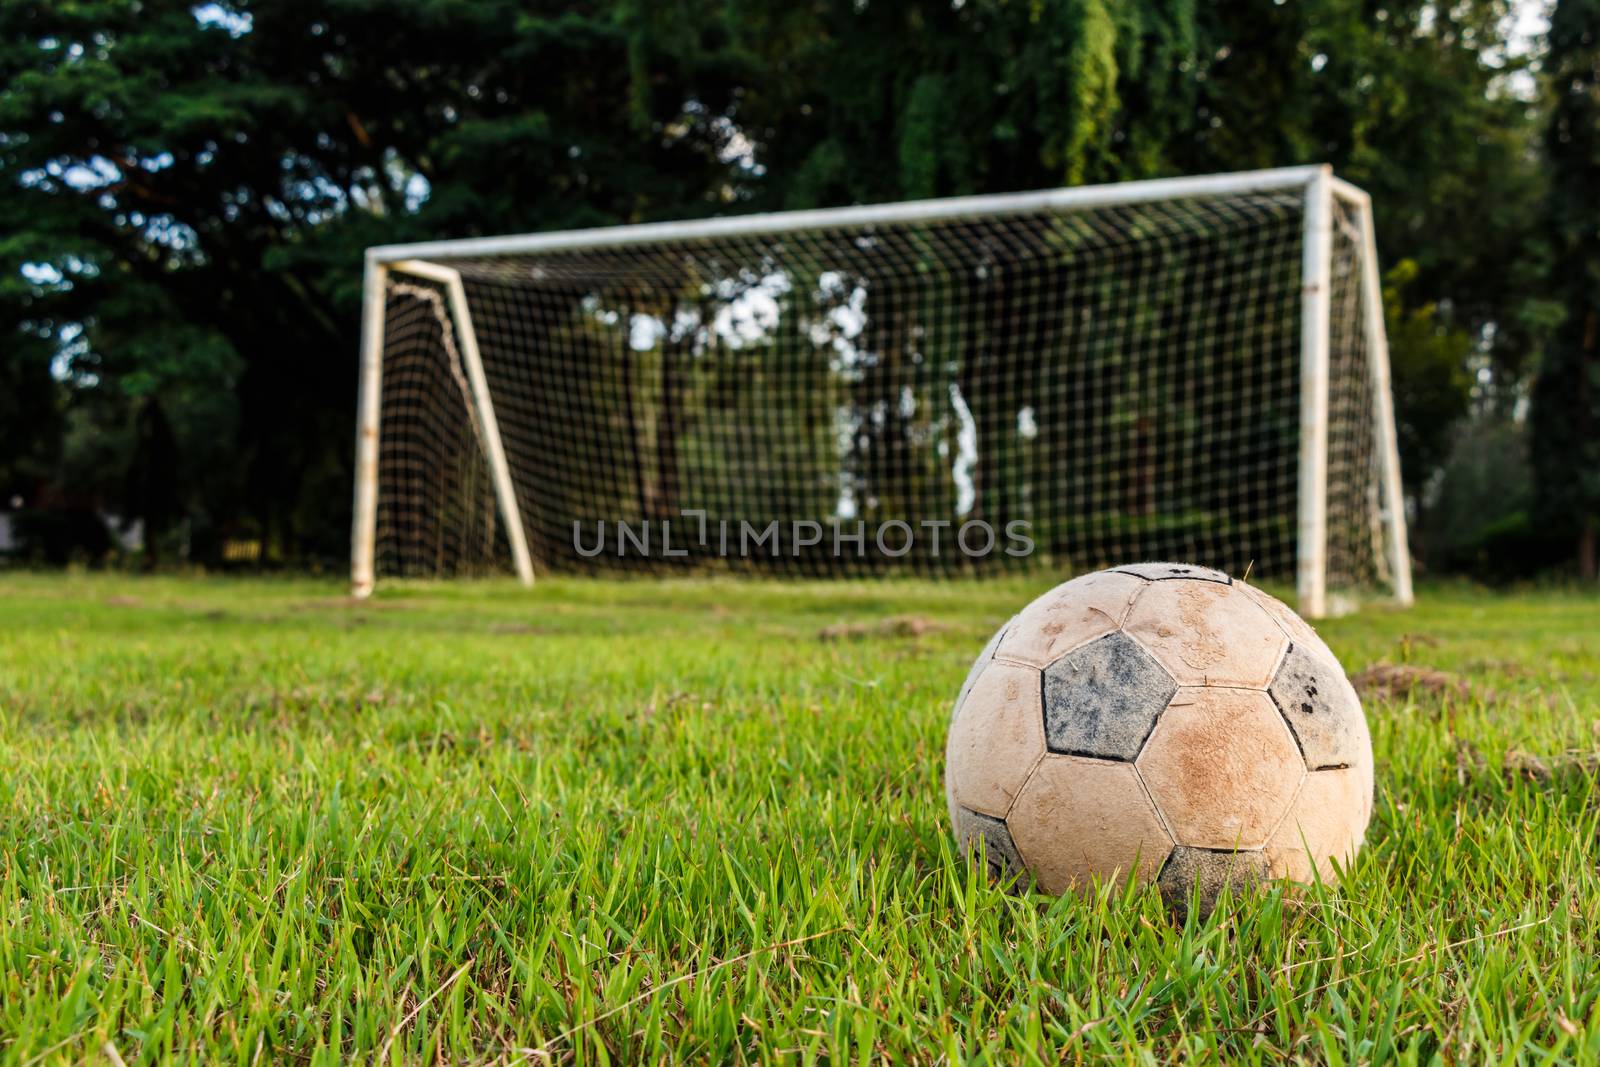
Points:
(640, 824)
(1567, 394)
(200, 181)
(1412, 102)
(30, 419)
(1428, 370)
(203, 187)
(1478, 514)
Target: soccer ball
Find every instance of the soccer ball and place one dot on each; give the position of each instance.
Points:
(1159, 721)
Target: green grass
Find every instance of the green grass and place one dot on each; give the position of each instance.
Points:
(614, 822)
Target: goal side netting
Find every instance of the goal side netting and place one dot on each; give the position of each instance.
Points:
(958, 388)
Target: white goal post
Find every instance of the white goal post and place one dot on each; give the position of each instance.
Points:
(1187, 368)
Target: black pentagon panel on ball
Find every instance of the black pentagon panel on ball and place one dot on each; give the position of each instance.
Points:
(999, 851)
(1207, 872)
(1160, 572)
(1321, 709)
(1103, 699)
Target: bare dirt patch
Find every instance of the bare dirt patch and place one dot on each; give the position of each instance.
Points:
(349, 603)
(514, 627)
(1425, 640)
(899, 626)
(1517, 765)
(1397, 681)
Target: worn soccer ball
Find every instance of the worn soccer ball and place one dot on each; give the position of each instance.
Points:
(1159, 721)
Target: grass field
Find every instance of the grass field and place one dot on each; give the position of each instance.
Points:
(252, 821)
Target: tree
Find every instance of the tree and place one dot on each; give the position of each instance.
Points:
(1566, 414)
(30, 418)
(189, 189)
(1429, 373)
(185, 190)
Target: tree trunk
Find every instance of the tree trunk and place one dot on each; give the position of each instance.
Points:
(1586, 526)
(1587, 562)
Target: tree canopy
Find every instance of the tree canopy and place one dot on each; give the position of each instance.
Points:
(1566, 445)
(185, 190)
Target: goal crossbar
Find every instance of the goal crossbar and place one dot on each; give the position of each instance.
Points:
(1078, 198)
(432, 261)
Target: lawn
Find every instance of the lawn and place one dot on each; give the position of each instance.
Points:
(625, 822)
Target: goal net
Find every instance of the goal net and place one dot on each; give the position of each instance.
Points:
(1187, 369)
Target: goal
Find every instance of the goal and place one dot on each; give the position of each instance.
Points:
(1191, 369)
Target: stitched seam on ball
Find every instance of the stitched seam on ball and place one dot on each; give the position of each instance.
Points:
(1161, 816)
(1300, 787)
(1283, 657)
(1255, 599)
(1156, 719)
(1117, 622)
(1142, 647)
(1227, 579)
(1044, 699)
(1085, 643)
(1205, 681)
(1027, 864)
(1127, 606)
(1127, 614)
(1305, 768)
(1026, 778)
(1294, 734)
(1225, 851)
